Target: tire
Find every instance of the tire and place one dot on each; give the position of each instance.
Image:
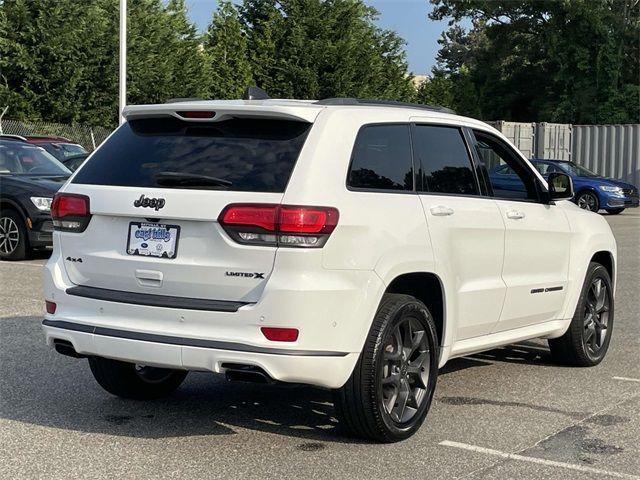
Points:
(14, 242)
(128, 380)
(587, 340)
(614, 211)
(588, 201)
(384, 370)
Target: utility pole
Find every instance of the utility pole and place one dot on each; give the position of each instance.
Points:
(123, 59)
(2, 115)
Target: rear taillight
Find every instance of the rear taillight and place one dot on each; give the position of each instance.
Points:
(279, 225)
(70, 212)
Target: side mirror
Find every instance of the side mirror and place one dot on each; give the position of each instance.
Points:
(560, 186)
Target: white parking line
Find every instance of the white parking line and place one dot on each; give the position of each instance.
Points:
(627, 379)
(23, 263)
(542, 461)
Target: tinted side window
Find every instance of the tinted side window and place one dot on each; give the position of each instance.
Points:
(444, 160)
(381, 158)
(508, 177)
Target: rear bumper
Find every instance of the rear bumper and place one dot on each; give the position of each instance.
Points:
(333, 311)
(325, 369)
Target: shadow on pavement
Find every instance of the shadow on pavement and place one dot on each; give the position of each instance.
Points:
(41, 387)
(523, 353)
(41, 254)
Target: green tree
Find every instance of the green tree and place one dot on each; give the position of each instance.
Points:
(324, 48)
(165, 59)
(227, 53)
(47, 68)
(436, 90)
(61, 70)
(567, 61)
(67, 71)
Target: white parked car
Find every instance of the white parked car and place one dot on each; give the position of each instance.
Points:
(351, 245)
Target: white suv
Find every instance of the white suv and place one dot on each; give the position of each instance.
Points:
(352, 245)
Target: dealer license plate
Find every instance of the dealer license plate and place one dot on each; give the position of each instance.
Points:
(153, 240)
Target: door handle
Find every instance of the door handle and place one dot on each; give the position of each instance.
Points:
(441, 211)
(515, 215)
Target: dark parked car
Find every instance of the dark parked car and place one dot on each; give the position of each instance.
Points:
(593, 192)
(60, 147)
(29, 177)
(72, 163)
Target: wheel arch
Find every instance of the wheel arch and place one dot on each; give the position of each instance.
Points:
(429, 289)
(606, 259)
(13, 205)
(586, 188)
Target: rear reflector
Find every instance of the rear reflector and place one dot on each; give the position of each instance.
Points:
(279, 225)
(280, 334)
(197, 114)
(51, 307)
(70, 212)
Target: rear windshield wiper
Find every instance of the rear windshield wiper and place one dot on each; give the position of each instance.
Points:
(177, 179)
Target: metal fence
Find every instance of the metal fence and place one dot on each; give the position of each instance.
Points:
(553, 141)
(520, 134)
(609, 150)
(87, 136)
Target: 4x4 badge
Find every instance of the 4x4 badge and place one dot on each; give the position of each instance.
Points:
(156, 203)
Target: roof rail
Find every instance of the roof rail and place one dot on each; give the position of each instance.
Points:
(8, 136)
(377, 103)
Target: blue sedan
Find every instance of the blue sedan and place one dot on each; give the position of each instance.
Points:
(592, 192)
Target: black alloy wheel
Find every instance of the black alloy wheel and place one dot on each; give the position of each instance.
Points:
(405, 370)
(586, 341)
(596, 316)
(391, 387)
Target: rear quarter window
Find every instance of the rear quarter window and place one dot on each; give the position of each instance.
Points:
(256, 155)
(381, 159)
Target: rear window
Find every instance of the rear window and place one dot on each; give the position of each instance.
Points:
(256, 155)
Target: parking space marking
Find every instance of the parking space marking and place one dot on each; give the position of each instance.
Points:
(23, 263)
(542, 461)
(627, 379)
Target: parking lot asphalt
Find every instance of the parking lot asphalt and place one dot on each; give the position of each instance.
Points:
(506, 413)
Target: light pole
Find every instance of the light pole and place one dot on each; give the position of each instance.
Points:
(123, 60)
